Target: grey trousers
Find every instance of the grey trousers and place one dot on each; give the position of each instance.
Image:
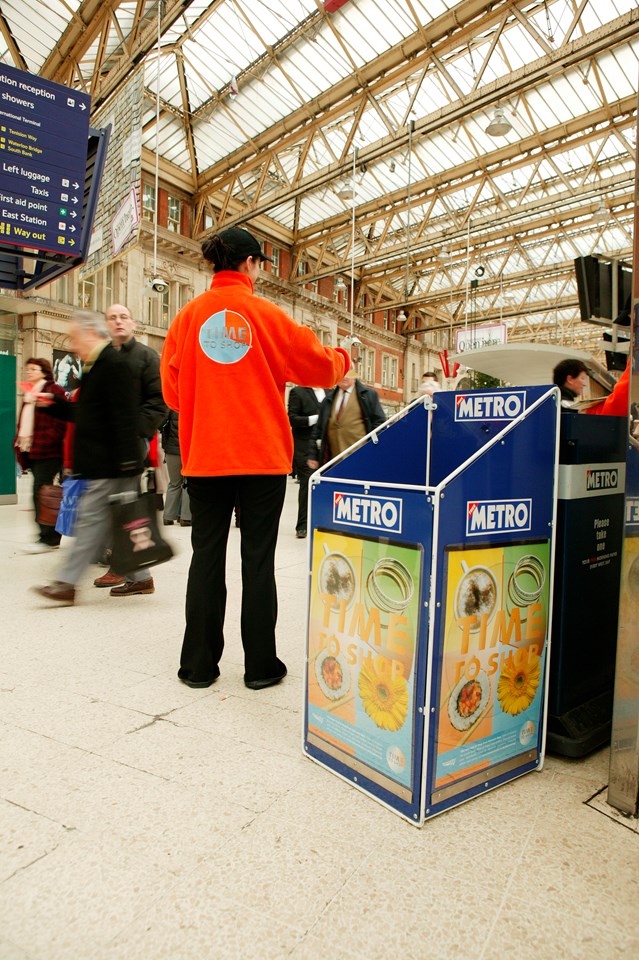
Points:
(93, 528)
(176, 498)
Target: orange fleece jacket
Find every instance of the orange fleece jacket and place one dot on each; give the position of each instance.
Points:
(615, 405)
(226, 360)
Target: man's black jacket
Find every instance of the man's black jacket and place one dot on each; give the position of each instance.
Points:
(105, 443)
(302, 404)
(144, 364)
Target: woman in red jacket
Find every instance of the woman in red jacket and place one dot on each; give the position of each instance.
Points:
(226, 361)
(38, 442)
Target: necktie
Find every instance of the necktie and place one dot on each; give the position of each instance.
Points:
(340, 409)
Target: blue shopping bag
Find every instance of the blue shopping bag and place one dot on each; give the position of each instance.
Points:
(72, 490)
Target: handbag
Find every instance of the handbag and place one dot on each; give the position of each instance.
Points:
(49, 500)
(72, 490)
(136, 542)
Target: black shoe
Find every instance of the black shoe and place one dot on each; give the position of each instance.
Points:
(198, 684)
(300, 534)
(268, 682)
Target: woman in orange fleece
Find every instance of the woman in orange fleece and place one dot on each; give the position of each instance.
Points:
(226, 361)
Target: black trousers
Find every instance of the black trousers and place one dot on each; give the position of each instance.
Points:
(302, 472)
(261, 499)
(43, 473)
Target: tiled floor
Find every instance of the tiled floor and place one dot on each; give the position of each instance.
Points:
(141, 820)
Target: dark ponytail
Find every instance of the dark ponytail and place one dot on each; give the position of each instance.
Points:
(221, 255)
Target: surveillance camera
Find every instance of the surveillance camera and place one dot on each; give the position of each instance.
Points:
(349, 342)
(159, 285)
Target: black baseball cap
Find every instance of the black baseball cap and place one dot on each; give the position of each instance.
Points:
(242, 243)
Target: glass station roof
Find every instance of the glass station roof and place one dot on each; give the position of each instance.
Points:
(285, 113)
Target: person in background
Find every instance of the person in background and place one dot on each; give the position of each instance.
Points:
(38, 443)
(106, 451)
(347, 414)
(429, 384)
(176, 499)
(303, 414)
(571, 376)
(144, 364)
(226, 361)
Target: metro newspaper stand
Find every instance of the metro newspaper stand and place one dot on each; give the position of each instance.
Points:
(430, 594)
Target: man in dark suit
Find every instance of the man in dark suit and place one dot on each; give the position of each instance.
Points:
(349, 411)
(303, 410)
(106, 450)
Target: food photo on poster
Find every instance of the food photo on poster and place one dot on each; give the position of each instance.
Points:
(494, 652)
(363, 629)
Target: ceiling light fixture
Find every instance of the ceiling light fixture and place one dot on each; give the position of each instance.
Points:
(499, 126)
(346, 191)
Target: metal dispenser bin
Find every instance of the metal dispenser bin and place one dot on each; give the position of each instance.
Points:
(430, 600)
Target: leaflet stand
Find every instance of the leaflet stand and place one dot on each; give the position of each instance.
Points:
(430, 599)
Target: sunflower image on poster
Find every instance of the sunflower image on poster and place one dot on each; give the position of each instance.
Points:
(363, 622)
(384, 698)
(494, 651)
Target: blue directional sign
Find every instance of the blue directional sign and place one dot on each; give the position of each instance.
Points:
(44, 128)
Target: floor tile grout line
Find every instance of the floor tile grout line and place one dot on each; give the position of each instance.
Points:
(27, 865)
(515, 867)
(509, 884)
(38, 813)
(610, 816)
(332, 899)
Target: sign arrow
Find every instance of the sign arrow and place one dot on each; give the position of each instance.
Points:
(72, 228)
(76, 186)
(71, 242)
(82, 106)
(74, 199)
(73, 214)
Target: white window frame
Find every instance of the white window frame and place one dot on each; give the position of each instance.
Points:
(148, 202)
(174, 223)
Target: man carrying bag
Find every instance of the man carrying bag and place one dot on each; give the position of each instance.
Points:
(106, 452)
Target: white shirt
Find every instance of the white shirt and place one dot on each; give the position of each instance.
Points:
(342, 399)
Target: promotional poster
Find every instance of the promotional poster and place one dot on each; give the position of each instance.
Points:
(493, 657)
(364, 623)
